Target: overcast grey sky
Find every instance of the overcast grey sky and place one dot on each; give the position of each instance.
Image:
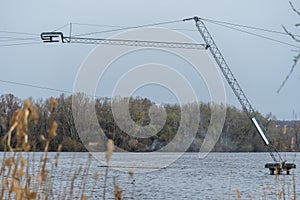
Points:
(259, 65)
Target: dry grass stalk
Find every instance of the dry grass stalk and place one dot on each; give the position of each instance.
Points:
(57, 154)
(131, 173)
(43, 183)
(117, 190)
(50, 181)
(51, 134)
(83, 197)
(230, 179)
(87, 169)
(16, 180)
(108, 153)
(53, 104)
(70, 176)
(294, 187)
(73, 182)
(13, 167)
(96, 178)
(238, 193)
(132, 182)
(19, 122)
(12, 180)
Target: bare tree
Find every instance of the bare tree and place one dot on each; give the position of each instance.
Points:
(297, 57)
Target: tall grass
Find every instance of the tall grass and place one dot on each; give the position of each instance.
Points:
(22, 176)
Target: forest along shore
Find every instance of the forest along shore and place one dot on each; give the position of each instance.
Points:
(238, 134)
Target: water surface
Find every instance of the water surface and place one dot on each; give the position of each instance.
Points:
(217, 176)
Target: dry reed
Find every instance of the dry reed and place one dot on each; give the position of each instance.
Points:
(117, 190)
(21, 180)
(108, 153)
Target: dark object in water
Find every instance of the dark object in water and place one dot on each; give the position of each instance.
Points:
(278, 168)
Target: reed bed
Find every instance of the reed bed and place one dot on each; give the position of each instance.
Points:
(23, 176)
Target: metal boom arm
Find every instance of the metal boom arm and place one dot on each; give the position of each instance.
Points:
(59, 37)
(218, 57)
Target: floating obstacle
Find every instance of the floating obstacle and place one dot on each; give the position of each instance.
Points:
(278, 168)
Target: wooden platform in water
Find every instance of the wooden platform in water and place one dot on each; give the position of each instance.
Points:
(278, 168)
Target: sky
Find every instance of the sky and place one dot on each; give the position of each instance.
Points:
(258, 64)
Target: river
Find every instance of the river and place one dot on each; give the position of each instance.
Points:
(217, 176)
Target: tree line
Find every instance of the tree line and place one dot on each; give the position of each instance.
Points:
(238, 133)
